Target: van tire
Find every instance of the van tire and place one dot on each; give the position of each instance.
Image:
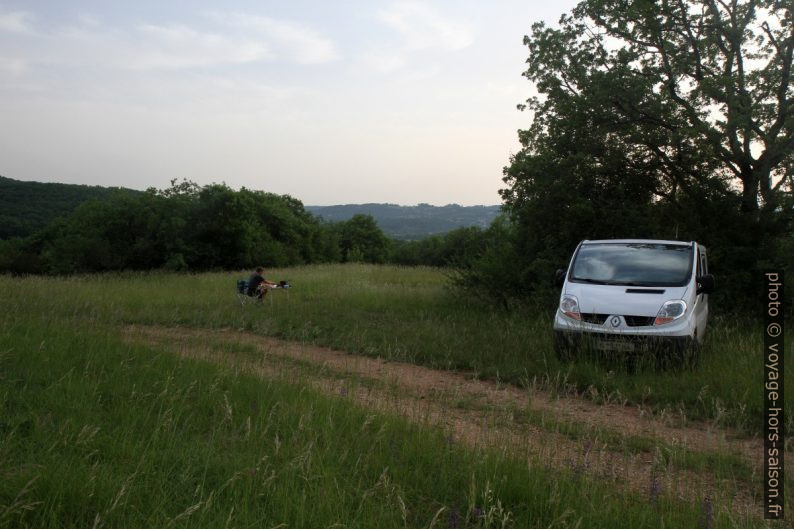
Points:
(682, 355)
(690, 355)
(564, 348)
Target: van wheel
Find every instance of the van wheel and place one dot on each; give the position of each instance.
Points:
(691, 353)
(683, 355)
(563, 347)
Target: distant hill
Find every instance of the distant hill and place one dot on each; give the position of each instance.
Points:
(26, 207)
(412, 222)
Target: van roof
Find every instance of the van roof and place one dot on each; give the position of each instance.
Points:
(638, 241)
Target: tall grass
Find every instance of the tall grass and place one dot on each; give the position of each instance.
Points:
(409, 314)
(96, 433)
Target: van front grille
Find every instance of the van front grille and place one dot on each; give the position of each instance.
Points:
(591, 317)
(631, 321)
(639, 321)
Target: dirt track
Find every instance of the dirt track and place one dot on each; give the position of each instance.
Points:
(571, 433)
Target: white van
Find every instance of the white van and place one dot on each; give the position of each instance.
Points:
(633, 295)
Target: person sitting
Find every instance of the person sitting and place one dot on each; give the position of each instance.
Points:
(258, 285)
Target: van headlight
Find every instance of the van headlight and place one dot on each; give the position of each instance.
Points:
(569, 306)
(670, 311)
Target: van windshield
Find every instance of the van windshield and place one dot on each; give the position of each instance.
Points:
(635, 264)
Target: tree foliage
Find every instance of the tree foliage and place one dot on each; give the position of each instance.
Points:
(696, 90)
(361, 240)
(184, 227)
(412, 223)
(657, 119)
(455, 248)
(190, 227)
(26, 207)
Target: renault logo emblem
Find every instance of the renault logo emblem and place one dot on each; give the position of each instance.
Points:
(615, 321)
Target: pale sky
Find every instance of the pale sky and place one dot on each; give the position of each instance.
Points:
(330, 102)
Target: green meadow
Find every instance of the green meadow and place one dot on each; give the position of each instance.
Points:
(410, 315)
(96, 431)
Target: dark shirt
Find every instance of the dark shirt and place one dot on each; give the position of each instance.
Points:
(253, 283)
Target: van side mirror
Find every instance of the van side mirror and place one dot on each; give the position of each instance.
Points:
(559, 277)
(705, 284)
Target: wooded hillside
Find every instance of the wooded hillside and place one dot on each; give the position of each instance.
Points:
(26, 207)
(412, 222)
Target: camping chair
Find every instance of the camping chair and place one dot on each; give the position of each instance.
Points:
(242, 291)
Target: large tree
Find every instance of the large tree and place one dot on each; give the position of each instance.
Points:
(669, 119)
(698, 92)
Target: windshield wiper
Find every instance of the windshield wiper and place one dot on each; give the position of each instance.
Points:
(608, 282)
(590, 280)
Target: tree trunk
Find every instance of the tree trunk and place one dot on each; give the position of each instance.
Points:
(750, 181)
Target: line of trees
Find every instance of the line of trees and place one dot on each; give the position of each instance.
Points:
(191, 228)
(187, 227)
(667, 120)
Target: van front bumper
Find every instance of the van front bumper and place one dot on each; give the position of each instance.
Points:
(675, 336)
(629, 343)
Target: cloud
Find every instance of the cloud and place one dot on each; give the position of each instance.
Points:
(197, 66)
(16, 22)
(291, 39)
(179, 46)
(89, 20)
(221, 40)
(421, 27)
(384, 61)
(12, 65)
